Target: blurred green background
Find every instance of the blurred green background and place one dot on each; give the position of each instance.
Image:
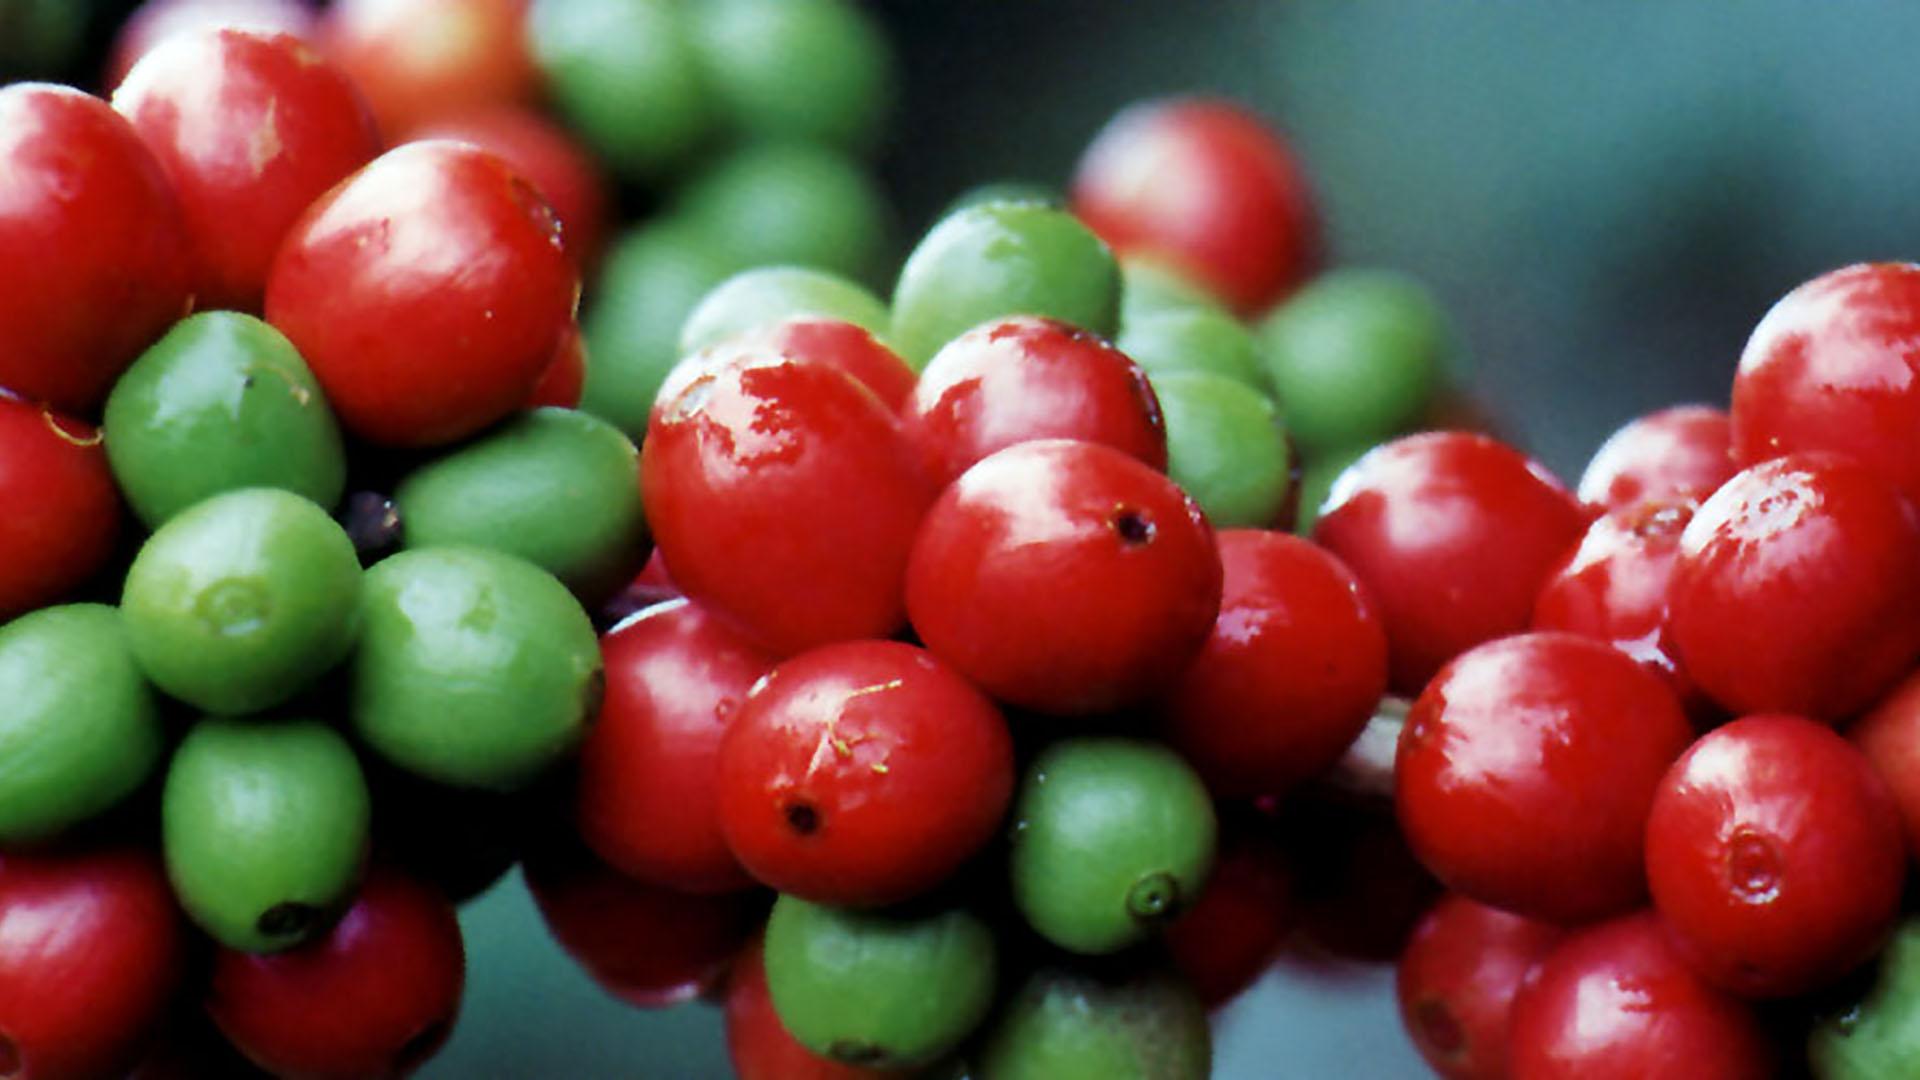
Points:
(1606, 196)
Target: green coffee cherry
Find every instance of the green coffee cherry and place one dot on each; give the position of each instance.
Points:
(556, 487)
(1113, 838)
(791, 203)
(1878, 1035)
(769, 294)
(264, 825)
(1193, 339)
(625, 76)
(1002, 258)
(240, 601)
(80, 729)
(223, 401)
(878, 989)
(475, 668)
(1226, 447)
(1355, 355)
(1149, 286)
(812, 70)
(651, 279)
(1144, 1024)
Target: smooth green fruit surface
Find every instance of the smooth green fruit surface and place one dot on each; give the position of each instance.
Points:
(1193, 339)
(1355, 355)
(241, 600)
(791, 203)
(1226, 447)
(557, 487)
(1149, 286)
(651, 279)
(1065, 1025)
(626, 77)
(879, 989)
(1002, 258)
(476, 668)
(223, 401)
(264, 825)
(816, 70)
(79, 727)
(768, 294)
(1879, 1035)
(1113, 838)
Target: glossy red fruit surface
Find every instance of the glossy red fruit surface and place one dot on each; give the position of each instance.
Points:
(1614, 1000)
(851, 348)
(1026, 377)
(1679, 452)
(1889, 736)
(423, 60)
(155, 21)
(565, 374)
(93, 252)
(1233, 932)
(428, 292)
(1798, 588)
(759, 1045)
(1775, 856)
(780, 491)
(59, 507)
(1452, 534)
(250, 127)
(91, 953)
(1293, 669)
(863, 773)
(1612, 586)
(1064, 577)
(1456, 981)
(646, 799)
(648, 946)
(1526, 770)
(553, 158)
(375, 997)
(1833, 366)
(1207, 186)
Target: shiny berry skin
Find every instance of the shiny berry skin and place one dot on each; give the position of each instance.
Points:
(1064, 577)
(1207, 186)
(543, 151)
(154, 21)
(423, 60)
(92, 242)
(780, 491)
(375, 997)
(646, 798)
(91, 953)
(851, 347)
(1452, 534)
(1025, 377)
(1679, 452)
(1832, 366)
(1294, 667)
(1526, 769)
(649, 946)
(1889, 735)
(60, 511)
(1775, 856)
(1798, 588)
(1614, 1000)
(761, 1048)
(427, 291)
(250, 128)
(1612, 586)
(863, 773)
(1456, 981)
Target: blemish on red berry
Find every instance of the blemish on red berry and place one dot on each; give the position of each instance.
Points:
(1753, 865)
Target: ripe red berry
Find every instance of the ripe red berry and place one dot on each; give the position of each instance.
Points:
(1798, 588)
(1294, 667)
(1678, 452)
(1775, 856)
(1064, 577)
(1456, 981)
(1234, 930)
(863, 773)
(1614, 1000)
(1453, 534)
(1889, 736)
(1526, 770)
(62, 508)
(646, 799)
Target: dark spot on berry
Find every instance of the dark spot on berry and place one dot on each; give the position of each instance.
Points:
(856, 1053)
(1439, 1029)
(291, 919)
(1134, 527)
(803, 819)
(10, 1063)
